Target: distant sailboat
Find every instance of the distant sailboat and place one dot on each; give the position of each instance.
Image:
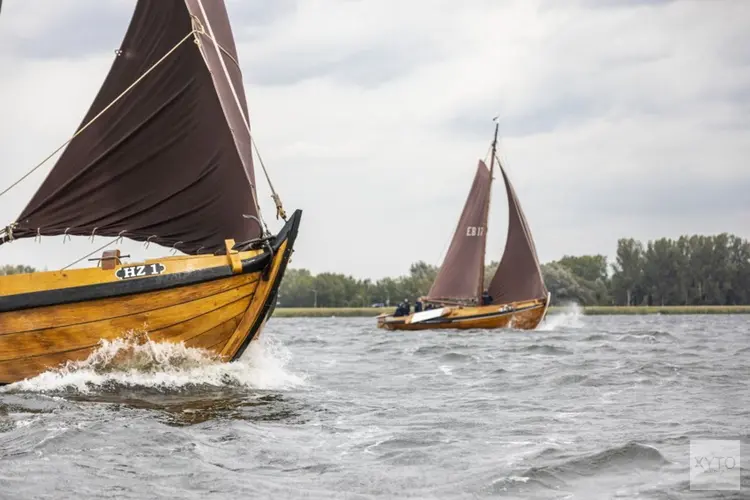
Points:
(520, 298)
(164, 156)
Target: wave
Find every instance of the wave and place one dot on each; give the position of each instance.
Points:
(546, 349)
(631, 456)
(130, 362)
(570, 317)
(648, 337)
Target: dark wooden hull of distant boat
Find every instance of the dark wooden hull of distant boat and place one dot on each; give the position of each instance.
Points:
(522, 315)
(205, 302)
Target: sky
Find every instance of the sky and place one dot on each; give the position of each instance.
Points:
(618, 118)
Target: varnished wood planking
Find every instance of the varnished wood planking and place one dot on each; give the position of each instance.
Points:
(12, 370)
(19, 345)
(92, 311)
(51, 280)
(214, 336)
(265, 287)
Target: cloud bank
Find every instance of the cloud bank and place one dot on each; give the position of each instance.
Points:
(618, 118)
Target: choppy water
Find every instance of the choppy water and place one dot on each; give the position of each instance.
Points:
(589, 407)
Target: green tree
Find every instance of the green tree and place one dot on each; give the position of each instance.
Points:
(628, 272)
(19, 269)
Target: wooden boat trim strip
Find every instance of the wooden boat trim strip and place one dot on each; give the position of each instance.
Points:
(159, 282)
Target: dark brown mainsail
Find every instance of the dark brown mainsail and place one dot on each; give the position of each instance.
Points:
(460, 275)
(170, 161)
(518, 277)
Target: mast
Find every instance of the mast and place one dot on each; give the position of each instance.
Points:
(487, 214)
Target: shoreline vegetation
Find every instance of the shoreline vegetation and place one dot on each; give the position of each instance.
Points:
(363, 312)
(690, 272)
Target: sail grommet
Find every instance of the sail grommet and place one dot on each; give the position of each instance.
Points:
(147, 243)
(119, 237)
(118, 52)
(174, 247)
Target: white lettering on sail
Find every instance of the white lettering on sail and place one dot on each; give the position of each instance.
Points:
(474, 231)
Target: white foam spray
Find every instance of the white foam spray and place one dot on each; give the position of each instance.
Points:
(571, 316)
(167, 366)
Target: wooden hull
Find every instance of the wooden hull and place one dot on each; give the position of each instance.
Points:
(521, 315)
(217, 303)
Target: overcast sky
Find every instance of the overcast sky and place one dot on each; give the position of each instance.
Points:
(618, 117)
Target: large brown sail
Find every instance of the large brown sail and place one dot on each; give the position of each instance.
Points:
(518, 277)
(461, 273)
(170, 161)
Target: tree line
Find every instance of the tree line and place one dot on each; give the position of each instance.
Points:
(690, 270)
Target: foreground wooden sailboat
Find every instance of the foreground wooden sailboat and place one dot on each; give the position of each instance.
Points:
(164, 156)
(519, 297)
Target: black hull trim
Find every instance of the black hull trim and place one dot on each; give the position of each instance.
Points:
(270, 304)
(85, 293)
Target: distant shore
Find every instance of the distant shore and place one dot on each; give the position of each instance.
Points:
(351, 312)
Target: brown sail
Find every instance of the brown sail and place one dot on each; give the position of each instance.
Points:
(518, 277)
(170, 161)
(460, 275)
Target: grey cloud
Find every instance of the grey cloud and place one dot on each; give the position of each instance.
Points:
(690, 196)
(253, 14)
(82, 29)
(366, 67)
(603, 4)
(560, 111)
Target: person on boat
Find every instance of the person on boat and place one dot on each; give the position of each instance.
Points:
(403, 308)
(418, 305)
(486, 298)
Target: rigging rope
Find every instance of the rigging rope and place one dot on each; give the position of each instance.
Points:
(132, 85)
(219, 49)
(90, 254)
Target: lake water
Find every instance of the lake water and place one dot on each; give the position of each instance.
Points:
(586, 407)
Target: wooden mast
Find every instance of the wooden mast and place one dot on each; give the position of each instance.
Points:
(487, 214)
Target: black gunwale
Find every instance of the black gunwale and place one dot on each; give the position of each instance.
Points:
(270, 303)
(60, 296)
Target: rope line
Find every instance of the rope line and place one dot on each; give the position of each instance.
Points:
(219, 49)
(90, 254)
(132, 85)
